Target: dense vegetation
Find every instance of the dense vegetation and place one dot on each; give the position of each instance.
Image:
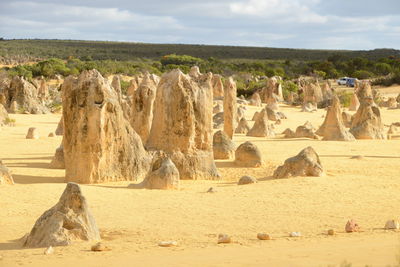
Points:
(71, 57)
(92, 50)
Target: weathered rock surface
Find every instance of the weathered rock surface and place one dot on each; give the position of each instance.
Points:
(163, 175)
(347, 119)
(218, 86)
(352, 226)
(33, 133)
(333, 128)
(182, 124)
(230, 108)
(354, 103)
(3, 115)
(99, 143)
(247, 180)
(58, 161)
(248, 155)
(261, 127)
(306, 130)
(218, 108)
(223, 146)
(142, 107)
(274, 115)
(367, 123)
(243, 127)
(306, 163)
(60, 127)
(255, 100)
(218, 120)
(5, 175)
(69, 220)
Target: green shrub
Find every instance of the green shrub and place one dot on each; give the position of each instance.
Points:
(345, 98)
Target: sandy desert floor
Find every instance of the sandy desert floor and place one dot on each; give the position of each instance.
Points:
(133, 222)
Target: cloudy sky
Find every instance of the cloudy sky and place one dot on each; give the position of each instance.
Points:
(324, 24)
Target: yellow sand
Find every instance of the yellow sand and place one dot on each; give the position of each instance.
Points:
(133, 222)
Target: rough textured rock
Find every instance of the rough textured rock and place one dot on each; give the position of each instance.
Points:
(239, 114)
(58, 161)
(347, 119)
(248, 155)
(333, 128)
(269, 95)
(392, 103)
(223, 146)
(116, 84)
(14, 108)
(243, 127)
(163, 175)
(309, 107)
(43, 90)
(142, 107)
(26, 96)
(261, 127)
(255, 116)
(306, 163)
(33, 133)
(367, 122)
(99, 143)
(274, 115)
(218, 108)
(256, 100)
(364, 90)
(218, 120)
(133, 85)
(69, 220)
(218, 86)
(230, 107)
(60, 127)
(182, 124)
(3, 115)
(247, 180)
(394, 129)
(5, 175)
(354, 103)
(288, 133)
(306, 130)
(352, 226)
(194, 72)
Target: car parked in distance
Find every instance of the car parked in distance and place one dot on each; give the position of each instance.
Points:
(351, 82)
(342, 81)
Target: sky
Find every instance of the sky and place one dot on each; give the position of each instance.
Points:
(313, 24)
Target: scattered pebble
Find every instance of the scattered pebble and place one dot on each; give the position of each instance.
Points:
(224, 239)
(100, 247)
(295, 234)
(352, 226)
(167, 244)
(247, 180)
(357, 157)
(331, 232)
(263, 236)
(392, 225)
(48, 251)
(52, 134)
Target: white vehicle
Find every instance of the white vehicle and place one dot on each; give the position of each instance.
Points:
(342, 81)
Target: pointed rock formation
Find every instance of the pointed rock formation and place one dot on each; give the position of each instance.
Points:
(367, 122)
(182, 124)
(243, 127)
(58, 161)
(306, 163)
(116, 84)
(195, 72)
(218, 86)
(33, 133)
(255, 100)
(333, 128)
(354, 103)
(218, 108)
(347, 119)
(223, 146)
(274, 115)
(248, 155)
(60, 127)
(364, 90)
(218, 120)
(269, 94)
(261, 127)
(133, 85)
(99, 143)
(69, 220)
(5, 175)
(255, 116)
(26, 96)
(163, 175)
(142, 107)
(3, 115)
(230, 107)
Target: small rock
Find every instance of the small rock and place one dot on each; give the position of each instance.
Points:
(52, 134)
(99, 247)
(392, 225)
(331, 232)
(167, 244)
(211, 190)
(247, 180)
(357, 157)
(352, 226)
(224, 239)
(49, 250)
(295, 234)
(263, 236)
(32, 133)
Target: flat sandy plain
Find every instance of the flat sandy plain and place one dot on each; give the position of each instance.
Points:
(132, 222)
